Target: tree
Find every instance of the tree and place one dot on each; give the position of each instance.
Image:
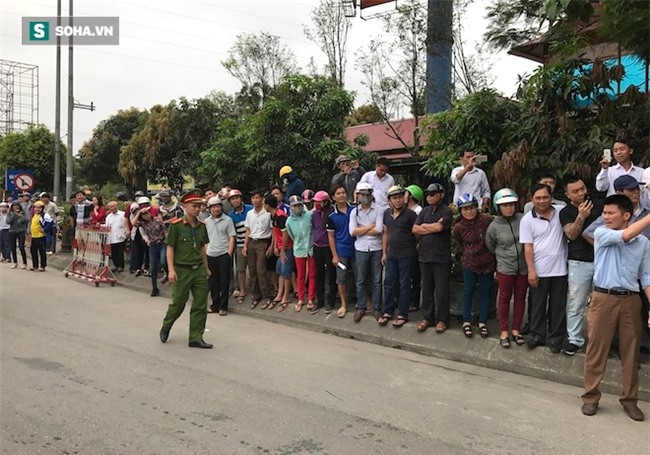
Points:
(301, 125)
(366, 113)
(395, 71)
(99, 157)
(32, 149)
(329, 30)
(471, 69)
(169, 146)
(259, 62)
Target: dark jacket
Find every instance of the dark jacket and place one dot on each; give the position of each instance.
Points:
(295, 186)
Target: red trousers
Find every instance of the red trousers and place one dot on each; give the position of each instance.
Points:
(304, 266)
(607, 315)
(509, 284)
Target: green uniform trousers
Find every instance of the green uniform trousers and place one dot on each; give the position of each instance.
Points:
(197, 282)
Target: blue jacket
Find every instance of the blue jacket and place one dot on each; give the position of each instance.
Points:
(295, 187)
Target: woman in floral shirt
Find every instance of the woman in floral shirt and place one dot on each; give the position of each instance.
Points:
(478, 263)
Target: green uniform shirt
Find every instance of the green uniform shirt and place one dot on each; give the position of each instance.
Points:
(187, 242)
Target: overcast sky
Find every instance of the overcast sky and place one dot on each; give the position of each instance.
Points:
(170, 49)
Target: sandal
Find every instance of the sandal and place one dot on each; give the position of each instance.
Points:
(265, 305)
(504, 342)
(519, 339)
(484, 331)
(254, 303)
(297, 307)
(399, 322)
(310, 305)
(384, 319)
(467, 330)
(422, 325)
(272, 304)
(240, 299)
(282, 306)
(342, 312)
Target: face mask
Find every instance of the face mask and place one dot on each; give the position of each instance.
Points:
(285, 181)
(363, 199)
(298, 209)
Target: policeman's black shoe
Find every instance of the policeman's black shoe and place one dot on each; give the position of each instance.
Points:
(164, 334)
(155, 292)
(200, 344)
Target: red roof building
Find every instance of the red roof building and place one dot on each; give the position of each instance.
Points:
(385, 141)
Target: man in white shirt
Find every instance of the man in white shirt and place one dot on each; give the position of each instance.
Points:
(257, 247)
(469, 179)
(547, 179)
(623, 156)
(116, 221)
(380, 180)
(545, 250)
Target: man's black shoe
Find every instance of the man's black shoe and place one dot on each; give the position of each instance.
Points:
(316, 309)
(164, 334)
(555, 348)
(328, 309)
(200, 344)
(525, 330)
(570, 349)
(155, 292)
(590, 409)
(533, 342)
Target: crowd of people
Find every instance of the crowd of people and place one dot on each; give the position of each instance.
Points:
(388, 248)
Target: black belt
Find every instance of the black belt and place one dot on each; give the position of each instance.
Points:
(261, 240)
(189, 266)
(616, 292)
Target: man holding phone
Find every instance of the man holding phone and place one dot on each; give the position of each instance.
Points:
(469, 179)
(623, 156)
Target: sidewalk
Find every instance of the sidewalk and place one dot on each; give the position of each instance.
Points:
(451, 345)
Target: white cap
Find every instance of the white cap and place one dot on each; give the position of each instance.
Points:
(214, 200)
(143, 200)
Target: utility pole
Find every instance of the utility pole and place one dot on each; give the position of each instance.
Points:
(57, 113)
(68, 161)
(439, 55)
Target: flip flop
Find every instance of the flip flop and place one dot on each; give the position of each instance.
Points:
(297, 307)
(310, 305)
(255, 303)
(282, 306)
(342, 312)
(399, 322)
(241, 299)
(384, 319)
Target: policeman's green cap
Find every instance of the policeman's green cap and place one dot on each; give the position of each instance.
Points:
(195, 195)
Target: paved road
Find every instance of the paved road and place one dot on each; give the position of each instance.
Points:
(83, 372)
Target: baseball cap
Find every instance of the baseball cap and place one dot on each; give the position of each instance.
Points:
(626, 182)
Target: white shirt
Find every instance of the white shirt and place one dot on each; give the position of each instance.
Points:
(117, 222)
(473, 182)
(361, 217)
(605, 178)
(549, 244)
(379, 187)
(258, 224)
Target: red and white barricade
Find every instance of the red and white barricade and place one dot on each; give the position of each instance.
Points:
(91, 254)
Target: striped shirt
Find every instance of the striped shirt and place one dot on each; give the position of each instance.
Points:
(239, 219)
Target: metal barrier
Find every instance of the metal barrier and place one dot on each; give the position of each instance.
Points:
(91, 255)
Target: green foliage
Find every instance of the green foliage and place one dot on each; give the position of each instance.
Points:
(366, 113)
(627, 22)
(32, 149)
(301, 125)
(99, 157)
(476, 122)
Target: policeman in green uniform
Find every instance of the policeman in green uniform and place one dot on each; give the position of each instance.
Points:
(188, 270)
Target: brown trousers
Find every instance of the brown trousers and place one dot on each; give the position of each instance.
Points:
(257, 269)
(607, 314)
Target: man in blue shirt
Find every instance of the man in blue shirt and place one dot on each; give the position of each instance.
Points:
(622, 260)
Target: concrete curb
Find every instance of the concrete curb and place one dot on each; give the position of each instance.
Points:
(452, 345)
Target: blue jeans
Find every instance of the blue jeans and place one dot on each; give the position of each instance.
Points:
(157, 259)
(398, 274)
(581, 275)
(368, 265)
(485, 294)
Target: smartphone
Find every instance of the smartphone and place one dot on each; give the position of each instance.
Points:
(341, 266)
(607, 155)
(479, 159)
